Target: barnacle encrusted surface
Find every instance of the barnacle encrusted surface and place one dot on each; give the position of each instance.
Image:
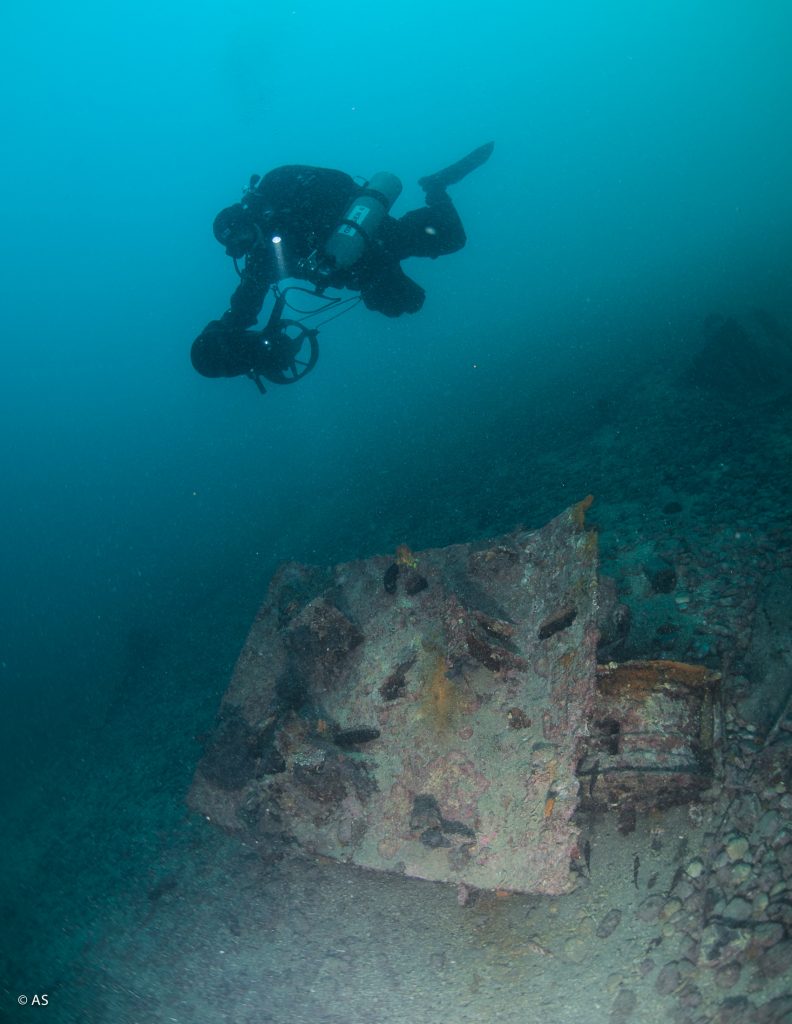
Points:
(379, 721)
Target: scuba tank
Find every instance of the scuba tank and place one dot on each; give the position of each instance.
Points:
(358, 227)
(361, 221)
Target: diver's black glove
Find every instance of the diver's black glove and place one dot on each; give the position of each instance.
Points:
(231, 321)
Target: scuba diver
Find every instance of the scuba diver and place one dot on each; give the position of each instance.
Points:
(319, 226)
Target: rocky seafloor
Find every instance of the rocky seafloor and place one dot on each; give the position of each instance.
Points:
(130, 910)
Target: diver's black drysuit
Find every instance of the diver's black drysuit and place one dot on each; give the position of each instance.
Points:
(301, 206)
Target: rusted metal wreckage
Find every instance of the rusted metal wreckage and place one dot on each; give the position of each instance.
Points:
(443, 715)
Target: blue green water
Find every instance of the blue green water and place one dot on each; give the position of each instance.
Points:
(640, 180)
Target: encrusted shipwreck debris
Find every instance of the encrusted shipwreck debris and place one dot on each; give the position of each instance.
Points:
(427, 719)
(650, 742)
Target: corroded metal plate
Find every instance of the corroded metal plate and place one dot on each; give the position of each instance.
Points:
(420, 714)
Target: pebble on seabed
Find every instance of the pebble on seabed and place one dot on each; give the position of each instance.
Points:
(736, 847)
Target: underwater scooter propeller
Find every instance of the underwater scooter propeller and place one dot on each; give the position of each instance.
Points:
(288, 349)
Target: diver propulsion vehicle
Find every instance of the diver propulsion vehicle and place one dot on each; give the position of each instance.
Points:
(289, 349)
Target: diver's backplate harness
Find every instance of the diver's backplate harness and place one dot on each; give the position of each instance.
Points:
(289, 349)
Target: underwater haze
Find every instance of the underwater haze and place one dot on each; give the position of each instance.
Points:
(640, 181)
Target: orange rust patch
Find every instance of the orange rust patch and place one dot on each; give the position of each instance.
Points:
(640, 678)
(405, 557)
(440, 701)
(579, 511)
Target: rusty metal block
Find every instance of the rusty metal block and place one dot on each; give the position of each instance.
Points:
(651, 738)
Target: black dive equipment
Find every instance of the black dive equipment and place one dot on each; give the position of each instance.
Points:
(356, 230)
(440, 180)
(287, 349)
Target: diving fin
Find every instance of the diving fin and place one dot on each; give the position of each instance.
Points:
(456, 172)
